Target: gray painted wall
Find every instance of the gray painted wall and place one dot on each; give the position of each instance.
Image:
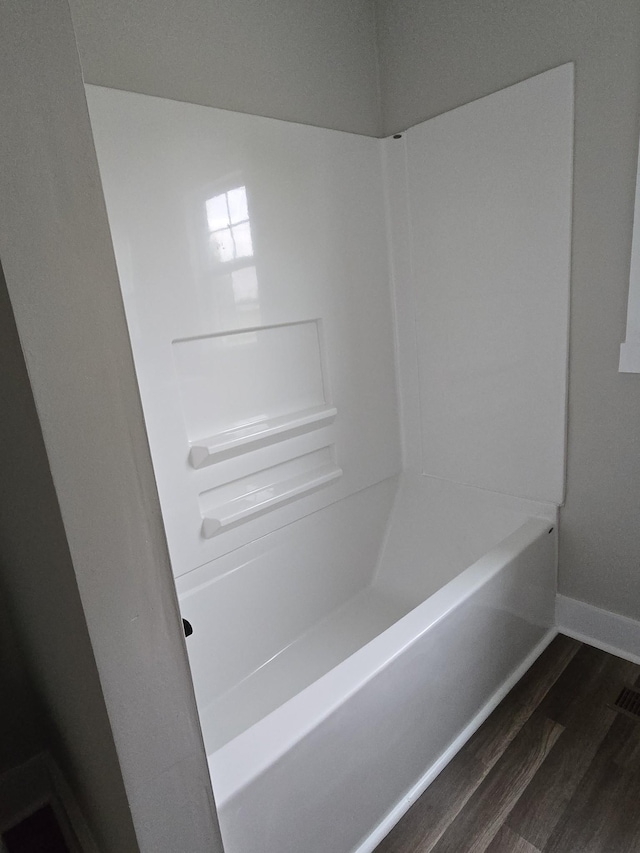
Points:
(440, 54)
(40, 585)
(22, 727)
(103, 558)
(298, 60)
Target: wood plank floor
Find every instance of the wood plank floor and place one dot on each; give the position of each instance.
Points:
(553, 770)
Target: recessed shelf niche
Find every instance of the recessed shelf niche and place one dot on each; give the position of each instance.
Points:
(244, 389)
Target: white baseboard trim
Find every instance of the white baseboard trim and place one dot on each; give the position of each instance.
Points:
(402, 807)
(608, 631)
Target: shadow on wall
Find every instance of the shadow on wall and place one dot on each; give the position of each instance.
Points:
(21, 722)
(38, 582)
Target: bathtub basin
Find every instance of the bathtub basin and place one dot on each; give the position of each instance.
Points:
(324, 745)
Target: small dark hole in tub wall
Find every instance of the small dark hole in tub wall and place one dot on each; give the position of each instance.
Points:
(188, 630)
(397, 136)
(551, 530)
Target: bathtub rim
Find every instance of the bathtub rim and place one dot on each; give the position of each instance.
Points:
(245, 757)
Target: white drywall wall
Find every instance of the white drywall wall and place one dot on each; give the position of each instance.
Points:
(438, 55)
(62, 281)
(297, 60)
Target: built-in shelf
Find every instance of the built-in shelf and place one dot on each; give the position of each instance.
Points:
(264, 498)
(241, 439)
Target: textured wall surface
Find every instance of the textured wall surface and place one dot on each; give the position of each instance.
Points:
(437, 55)
(298, 60)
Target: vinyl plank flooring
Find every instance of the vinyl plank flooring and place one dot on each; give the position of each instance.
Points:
(507, 841)
(553, 770)
(427, 820)
(624, 826)
(591, 671)
(490, 741)
(478, 823)
(540, 808)
(594, 820)
(629, 755)
(580, 702)
(430, 816)
(544, 673)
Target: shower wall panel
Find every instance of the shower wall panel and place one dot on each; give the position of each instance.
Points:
(480, 211)
(253, 260)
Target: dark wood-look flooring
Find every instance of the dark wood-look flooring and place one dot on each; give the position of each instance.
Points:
(553, 770)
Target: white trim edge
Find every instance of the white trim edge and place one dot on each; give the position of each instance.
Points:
(629, 357)
(630, 349)
(608, 631)
(404, 804)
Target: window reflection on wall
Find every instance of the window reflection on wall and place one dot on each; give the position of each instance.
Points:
(229, 226)
(231, 257)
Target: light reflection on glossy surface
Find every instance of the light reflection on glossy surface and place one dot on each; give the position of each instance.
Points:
(229, 226)
(231, 279)
(264, 241)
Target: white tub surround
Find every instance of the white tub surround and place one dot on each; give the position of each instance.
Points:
(253, 261)
(480, 220)
(362, 588)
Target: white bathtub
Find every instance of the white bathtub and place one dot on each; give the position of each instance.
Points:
(323, 746)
